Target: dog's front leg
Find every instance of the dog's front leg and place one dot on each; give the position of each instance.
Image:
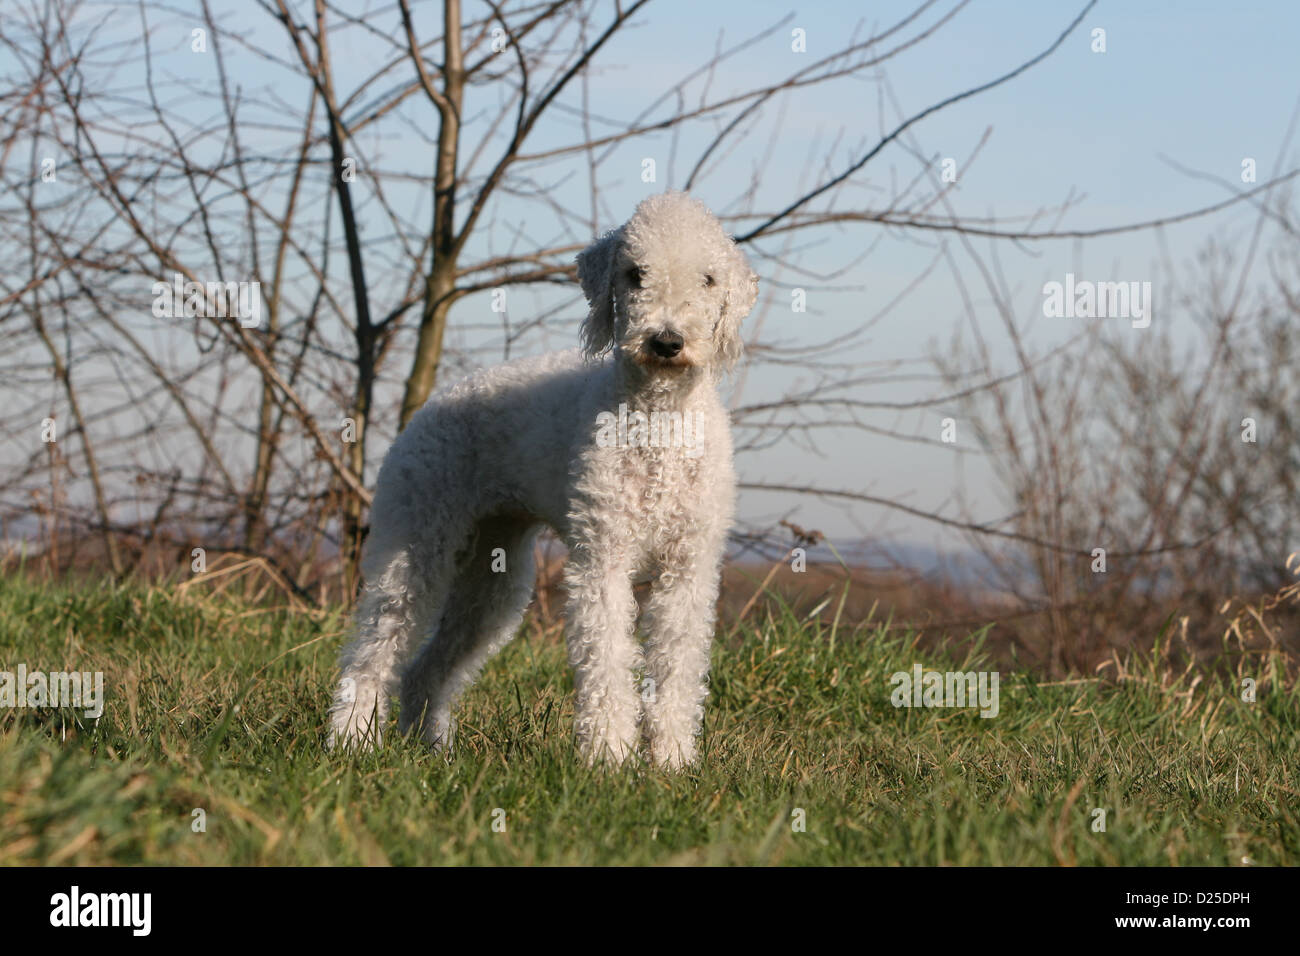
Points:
(679, 632)
(603, 653)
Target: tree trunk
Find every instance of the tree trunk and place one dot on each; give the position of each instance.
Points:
(441, 281)
(428, 349)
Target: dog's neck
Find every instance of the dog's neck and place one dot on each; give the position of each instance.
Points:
(657, 389)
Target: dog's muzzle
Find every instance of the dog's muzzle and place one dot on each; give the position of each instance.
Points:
(664, 350)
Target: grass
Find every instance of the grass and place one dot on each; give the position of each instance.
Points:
(219, 707)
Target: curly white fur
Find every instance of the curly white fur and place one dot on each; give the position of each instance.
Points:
(624, 448)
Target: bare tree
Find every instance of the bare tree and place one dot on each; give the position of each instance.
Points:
(1147, 481)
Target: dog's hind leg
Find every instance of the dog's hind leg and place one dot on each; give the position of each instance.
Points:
(404, 589)
(488, 596)
(387, 618)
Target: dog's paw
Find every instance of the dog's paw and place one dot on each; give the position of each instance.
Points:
(351, 738)
(355, 718)
(669, 754)
(608, 753)
(438, 731)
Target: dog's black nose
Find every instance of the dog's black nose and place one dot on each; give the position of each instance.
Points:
(667, 344)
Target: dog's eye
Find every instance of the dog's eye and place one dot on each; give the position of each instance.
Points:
(635, 276)
(709, 282)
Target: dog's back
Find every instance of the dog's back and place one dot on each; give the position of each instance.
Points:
(473, 435)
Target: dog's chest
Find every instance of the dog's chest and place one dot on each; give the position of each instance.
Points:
(660, 484)
(651, 478)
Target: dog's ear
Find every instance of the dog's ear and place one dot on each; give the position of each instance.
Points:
(596, 275)
(741, 287)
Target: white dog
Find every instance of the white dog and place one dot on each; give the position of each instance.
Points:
(627, 456)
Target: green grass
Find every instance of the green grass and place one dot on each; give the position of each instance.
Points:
(221, 707)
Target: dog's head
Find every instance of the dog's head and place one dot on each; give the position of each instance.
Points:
(668, 289)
